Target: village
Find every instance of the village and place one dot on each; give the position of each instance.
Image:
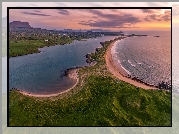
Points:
(24, 39)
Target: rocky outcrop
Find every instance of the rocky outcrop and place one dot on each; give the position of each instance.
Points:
(88, 56)
(164, 85)
(102, 44)
(97, 49)
(88, 60)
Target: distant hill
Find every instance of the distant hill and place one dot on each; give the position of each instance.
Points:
(19, 24)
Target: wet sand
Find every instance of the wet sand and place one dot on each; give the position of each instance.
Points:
(113, 69)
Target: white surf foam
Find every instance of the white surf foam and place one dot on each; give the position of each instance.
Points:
(131, 63)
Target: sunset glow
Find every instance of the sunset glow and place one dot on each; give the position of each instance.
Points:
(107, 19)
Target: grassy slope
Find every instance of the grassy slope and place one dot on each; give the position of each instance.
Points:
(98, 100)
(25, 46)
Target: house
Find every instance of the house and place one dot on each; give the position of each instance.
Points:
(46, 40)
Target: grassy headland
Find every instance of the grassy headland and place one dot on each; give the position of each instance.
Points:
(99, 99)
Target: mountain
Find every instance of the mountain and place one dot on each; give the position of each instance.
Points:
(19, 24)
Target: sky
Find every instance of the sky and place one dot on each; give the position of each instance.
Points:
(107, 19)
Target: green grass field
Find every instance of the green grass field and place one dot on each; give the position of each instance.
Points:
(24, 47)
(99, 99)
(27, 45)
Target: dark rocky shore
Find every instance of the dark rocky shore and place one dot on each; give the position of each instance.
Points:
(161, 85)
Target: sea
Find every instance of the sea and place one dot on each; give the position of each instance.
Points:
(146, 58)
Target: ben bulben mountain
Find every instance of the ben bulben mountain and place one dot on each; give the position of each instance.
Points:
(19, 24)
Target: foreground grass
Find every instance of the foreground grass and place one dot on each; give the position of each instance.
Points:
(99, 99)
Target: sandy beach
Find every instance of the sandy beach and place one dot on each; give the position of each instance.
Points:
(111, 67)
(72, 74)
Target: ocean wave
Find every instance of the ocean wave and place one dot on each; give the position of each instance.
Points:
(131, 63)
(129, 73)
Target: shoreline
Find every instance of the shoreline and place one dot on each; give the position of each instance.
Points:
(113, 69)
(72, 75)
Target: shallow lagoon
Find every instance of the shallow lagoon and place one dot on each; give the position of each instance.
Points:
(43, 73)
